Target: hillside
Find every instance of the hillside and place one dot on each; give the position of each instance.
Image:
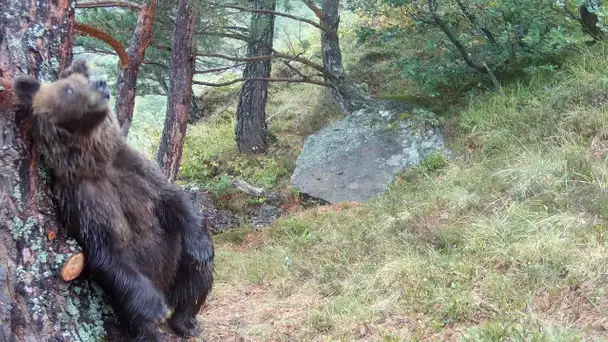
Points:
(506, 241)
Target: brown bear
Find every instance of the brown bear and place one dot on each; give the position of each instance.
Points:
(144, 242)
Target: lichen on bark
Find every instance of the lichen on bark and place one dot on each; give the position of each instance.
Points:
(35, 304)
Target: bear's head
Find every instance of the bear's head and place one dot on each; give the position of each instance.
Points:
(74, 102)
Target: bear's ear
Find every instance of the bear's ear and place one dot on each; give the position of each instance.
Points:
(78, 67)
(25, 87)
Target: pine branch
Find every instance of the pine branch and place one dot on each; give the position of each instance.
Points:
(214, 70)
(86, 30)
(96, 51)
(108, 3)
(275, 54)
(280, 14)
(304, 61)
(234, 36)
(113, 53)
(161, 65)
(294, 69)
(316, 10)
(466, 55)
(269, 79)
(473, 20)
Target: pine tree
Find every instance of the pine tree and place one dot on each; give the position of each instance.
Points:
(251, 130)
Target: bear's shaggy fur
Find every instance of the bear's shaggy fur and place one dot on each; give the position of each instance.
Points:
(144, 242)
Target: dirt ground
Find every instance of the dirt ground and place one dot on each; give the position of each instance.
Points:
(253, 313)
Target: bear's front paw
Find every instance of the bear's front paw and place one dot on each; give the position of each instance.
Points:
(152, 304)
(148, 334)
(185, 327)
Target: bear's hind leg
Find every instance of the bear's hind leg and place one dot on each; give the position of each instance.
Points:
(194, 278)
(190, 290)
(176, 213)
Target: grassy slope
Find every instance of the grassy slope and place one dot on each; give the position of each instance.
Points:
(506, 241)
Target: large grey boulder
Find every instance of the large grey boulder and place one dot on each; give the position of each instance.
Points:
(359, 156)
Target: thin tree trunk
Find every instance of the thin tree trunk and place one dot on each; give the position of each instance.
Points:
(35, 303)
(589, 19)
(182, 69)
(126, 81)
(474, 22)
(464, 53)
(345, 95)
(251, 130)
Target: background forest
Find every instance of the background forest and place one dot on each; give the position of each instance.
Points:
(503, 239)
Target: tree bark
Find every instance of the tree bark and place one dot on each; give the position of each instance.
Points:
(194, 110)
(251, 130)
(35, 304)
(126, 81)
(589, 19)
(345, 95)
(182, 69)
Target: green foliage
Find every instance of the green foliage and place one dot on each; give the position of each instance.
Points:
(432, 163)
(217, 100)
(424, 118)
(222, 185)
(154, 74)
(303, 115)
(210, 156)
(148, 121)
(513, 38)
(260, 171)
(234, 236)
(204, 142)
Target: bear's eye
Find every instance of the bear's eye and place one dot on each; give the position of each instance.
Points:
(68, 90)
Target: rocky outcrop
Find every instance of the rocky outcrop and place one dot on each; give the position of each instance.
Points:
(359, 156)
(218, 221)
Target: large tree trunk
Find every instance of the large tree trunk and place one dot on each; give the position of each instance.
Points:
(343, 91)
(182, 69)
(251, 131)
(35, 304)
(126, 81)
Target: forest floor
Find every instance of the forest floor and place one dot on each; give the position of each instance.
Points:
(506, 241)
